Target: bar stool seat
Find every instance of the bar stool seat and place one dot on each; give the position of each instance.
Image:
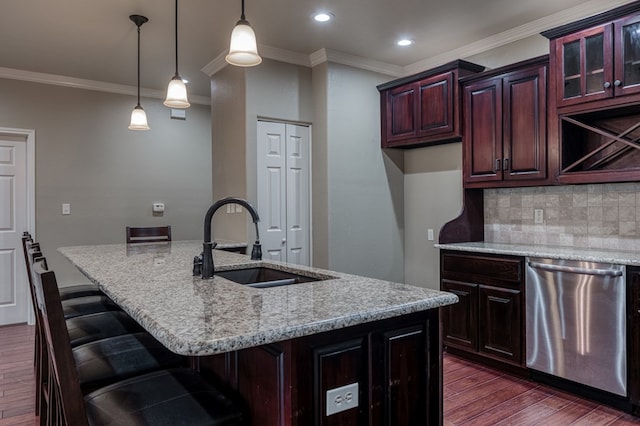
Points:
(86, 305)
(89, 328)
(80, 290)
(106, 361)
(167, 397)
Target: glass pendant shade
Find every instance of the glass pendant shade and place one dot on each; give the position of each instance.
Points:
(138, 119)
(243, 50)
(177, 94)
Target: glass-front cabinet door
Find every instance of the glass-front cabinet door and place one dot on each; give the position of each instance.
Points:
(627, 56)
(585, 66)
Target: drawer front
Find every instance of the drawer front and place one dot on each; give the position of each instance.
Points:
(481, 268)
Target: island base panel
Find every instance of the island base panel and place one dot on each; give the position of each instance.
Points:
(397, 364)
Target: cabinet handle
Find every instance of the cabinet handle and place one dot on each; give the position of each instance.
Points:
(505, 164)
(607, 85)
(497, 164)
(617, 83)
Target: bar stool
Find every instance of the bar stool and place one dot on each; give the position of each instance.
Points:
(68, 292)
(168, 396)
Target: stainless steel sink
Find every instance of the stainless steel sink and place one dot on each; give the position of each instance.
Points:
(263, 277)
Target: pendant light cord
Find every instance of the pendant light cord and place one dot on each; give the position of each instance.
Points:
(242, 15)
(177, 37)
(138, 65)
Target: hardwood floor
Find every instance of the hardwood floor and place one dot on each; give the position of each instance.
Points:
(476, 395)
(473, 395)
(17, 381)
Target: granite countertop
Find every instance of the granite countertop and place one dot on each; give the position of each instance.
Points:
(191, 316)
(552, 252)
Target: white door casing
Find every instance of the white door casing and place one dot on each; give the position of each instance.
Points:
(17, 208)
(283, 191)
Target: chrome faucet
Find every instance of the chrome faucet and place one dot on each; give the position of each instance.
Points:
(204, 265)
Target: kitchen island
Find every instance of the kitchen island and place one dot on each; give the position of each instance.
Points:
(283, 348)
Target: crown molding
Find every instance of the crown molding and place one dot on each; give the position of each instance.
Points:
(217, 64)
(99, 86)
(335, 56)
(588, 8)
(265, 51)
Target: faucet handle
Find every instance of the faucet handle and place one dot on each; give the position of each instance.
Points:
(256, 252)
(197, 265)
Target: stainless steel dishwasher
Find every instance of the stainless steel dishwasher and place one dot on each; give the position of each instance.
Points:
(576, 322)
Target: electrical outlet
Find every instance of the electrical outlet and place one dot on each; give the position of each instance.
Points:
(342, 398)
(66, 208)
(538, 216)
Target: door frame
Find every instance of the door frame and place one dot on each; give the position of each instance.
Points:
(29, 137)
(310, 127)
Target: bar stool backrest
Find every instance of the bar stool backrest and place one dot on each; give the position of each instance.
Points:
(63, 379)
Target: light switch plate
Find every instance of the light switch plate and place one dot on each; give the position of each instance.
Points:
(66, 208)
(342, 398)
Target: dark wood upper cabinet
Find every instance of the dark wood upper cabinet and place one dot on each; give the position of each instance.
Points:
(505, 126)
(595, 77)
(598, 63)
(423, 109)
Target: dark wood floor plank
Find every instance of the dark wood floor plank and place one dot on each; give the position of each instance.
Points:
(498, 412)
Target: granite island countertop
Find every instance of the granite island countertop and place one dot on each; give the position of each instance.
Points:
(154, 284)
(553, 252)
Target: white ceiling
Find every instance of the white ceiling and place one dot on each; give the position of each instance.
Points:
(95, 40)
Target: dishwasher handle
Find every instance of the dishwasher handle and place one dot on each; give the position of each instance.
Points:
(575, 270)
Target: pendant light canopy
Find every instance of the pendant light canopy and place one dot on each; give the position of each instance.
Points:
(177, 90)
(138, 116)
(243, 49)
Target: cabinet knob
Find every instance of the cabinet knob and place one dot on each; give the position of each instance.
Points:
(617, 83)
(607, 85)
(284, 241)
(497, 164)
(505, 164)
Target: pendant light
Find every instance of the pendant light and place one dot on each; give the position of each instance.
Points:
(177, 90)
(243, 49)
(138, 116)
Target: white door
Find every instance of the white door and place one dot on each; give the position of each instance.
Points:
(15, 218)
(283, 191)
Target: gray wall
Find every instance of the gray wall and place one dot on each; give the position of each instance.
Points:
(240, 96)
(433, 196)
(433, 179)
(357, 206)
(86, 156)
(365, 187)
(228, 114)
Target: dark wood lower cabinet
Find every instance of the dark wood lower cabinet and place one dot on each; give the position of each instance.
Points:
(487, 324)
(396, 363)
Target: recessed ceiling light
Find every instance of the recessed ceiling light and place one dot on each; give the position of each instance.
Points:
(405, 42)
(323, 17)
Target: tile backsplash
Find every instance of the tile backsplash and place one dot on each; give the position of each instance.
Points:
(605, 216)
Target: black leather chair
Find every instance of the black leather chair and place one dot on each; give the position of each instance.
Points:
(68, 292)
(76, 306)
(164, 397)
